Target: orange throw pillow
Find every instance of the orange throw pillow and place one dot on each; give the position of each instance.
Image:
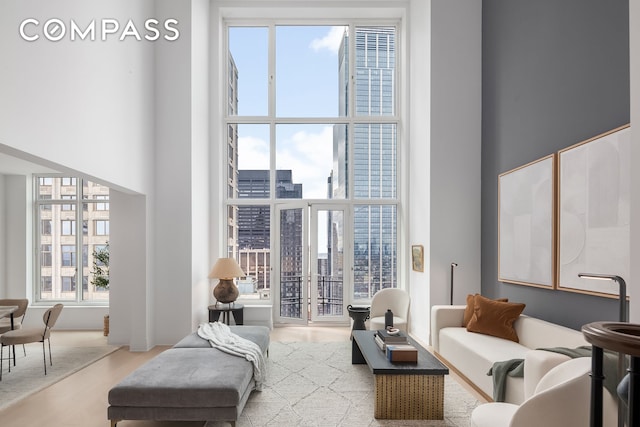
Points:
(468, 311)
(495, 318)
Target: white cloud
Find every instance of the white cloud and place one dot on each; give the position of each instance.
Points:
(259, 149)
(307, 153)
(310, 157)
(331, 41)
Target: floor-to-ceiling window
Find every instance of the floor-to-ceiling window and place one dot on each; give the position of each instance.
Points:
(312, 117)
(72, 240)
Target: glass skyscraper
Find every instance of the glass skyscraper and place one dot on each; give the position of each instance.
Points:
(374, 156)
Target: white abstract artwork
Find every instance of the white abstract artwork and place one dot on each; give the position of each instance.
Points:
(594, 212)
(526, 224)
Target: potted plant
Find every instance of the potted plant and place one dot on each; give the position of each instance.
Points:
(100, 275)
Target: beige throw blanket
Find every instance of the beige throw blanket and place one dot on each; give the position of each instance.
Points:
(220, 336)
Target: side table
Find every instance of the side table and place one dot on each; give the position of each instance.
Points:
(235, 309)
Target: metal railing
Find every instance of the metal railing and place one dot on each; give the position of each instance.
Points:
(330, 299)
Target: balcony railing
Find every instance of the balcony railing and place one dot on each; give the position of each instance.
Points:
(330, 301)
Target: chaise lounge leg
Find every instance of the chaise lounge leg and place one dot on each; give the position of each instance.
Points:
(114, 423)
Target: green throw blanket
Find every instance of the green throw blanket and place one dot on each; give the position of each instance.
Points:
(515, 368)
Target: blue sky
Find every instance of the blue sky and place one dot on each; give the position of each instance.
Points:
(307, 86)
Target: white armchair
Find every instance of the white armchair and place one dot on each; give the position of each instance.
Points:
(561, 399)
(397, 300)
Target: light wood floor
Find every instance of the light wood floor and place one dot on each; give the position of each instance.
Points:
(80, 400)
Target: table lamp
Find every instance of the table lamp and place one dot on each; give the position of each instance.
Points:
(226, 269)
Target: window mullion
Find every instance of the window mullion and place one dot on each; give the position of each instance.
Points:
(272, 114)
(79, 234)
(272, 71)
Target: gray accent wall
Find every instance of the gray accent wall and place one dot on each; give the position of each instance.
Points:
(554, 73)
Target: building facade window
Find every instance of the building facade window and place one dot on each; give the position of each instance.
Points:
(68, 255)
(101, 227)
(101, 206)
(68, 207)
(60, 203)
(45, 227)
(68, 283)
(68, 227)
(327, 134)
(45, 251)
(45, 284)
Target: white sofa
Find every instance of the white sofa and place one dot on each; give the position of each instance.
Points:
(472, 354)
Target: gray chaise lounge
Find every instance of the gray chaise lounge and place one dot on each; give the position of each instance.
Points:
(189, 382)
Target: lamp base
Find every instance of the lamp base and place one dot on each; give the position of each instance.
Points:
(226, 291)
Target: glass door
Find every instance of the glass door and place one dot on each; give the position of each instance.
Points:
(327, 254)
(292, 287)
(311, 264)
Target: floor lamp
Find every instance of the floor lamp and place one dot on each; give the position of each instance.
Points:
(623, 317)
(453, 265)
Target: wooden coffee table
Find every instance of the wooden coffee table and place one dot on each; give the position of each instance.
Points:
(404, 391)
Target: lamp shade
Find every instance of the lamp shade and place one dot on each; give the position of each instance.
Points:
(226, 268)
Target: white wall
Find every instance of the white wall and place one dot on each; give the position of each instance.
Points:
(133, 115)
(449, 198)
(419, 185)
(3, 238)
(182, 256)
(85, 105)
(131, 287)
(634, 28)
(173, 210)
(17, 233)
(201, 261)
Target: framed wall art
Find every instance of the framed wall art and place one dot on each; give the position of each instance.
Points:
(417, 258)
(526, 224)
(594, 212)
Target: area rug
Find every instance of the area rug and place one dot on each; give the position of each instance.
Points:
(28, 377)
(315, 384)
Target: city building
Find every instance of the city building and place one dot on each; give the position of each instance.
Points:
(375, 242)
(253, 227)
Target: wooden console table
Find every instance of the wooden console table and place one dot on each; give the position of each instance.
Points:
(408, 391)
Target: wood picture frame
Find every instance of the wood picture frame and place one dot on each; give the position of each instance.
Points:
(594, 197)
(417, 258)
(526, 224)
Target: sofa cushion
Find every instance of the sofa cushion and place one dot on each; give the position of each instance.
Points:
(257, 334)
(184, 378)
(468, 310)
(495, 318)
(537, 333)
(474, 354)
